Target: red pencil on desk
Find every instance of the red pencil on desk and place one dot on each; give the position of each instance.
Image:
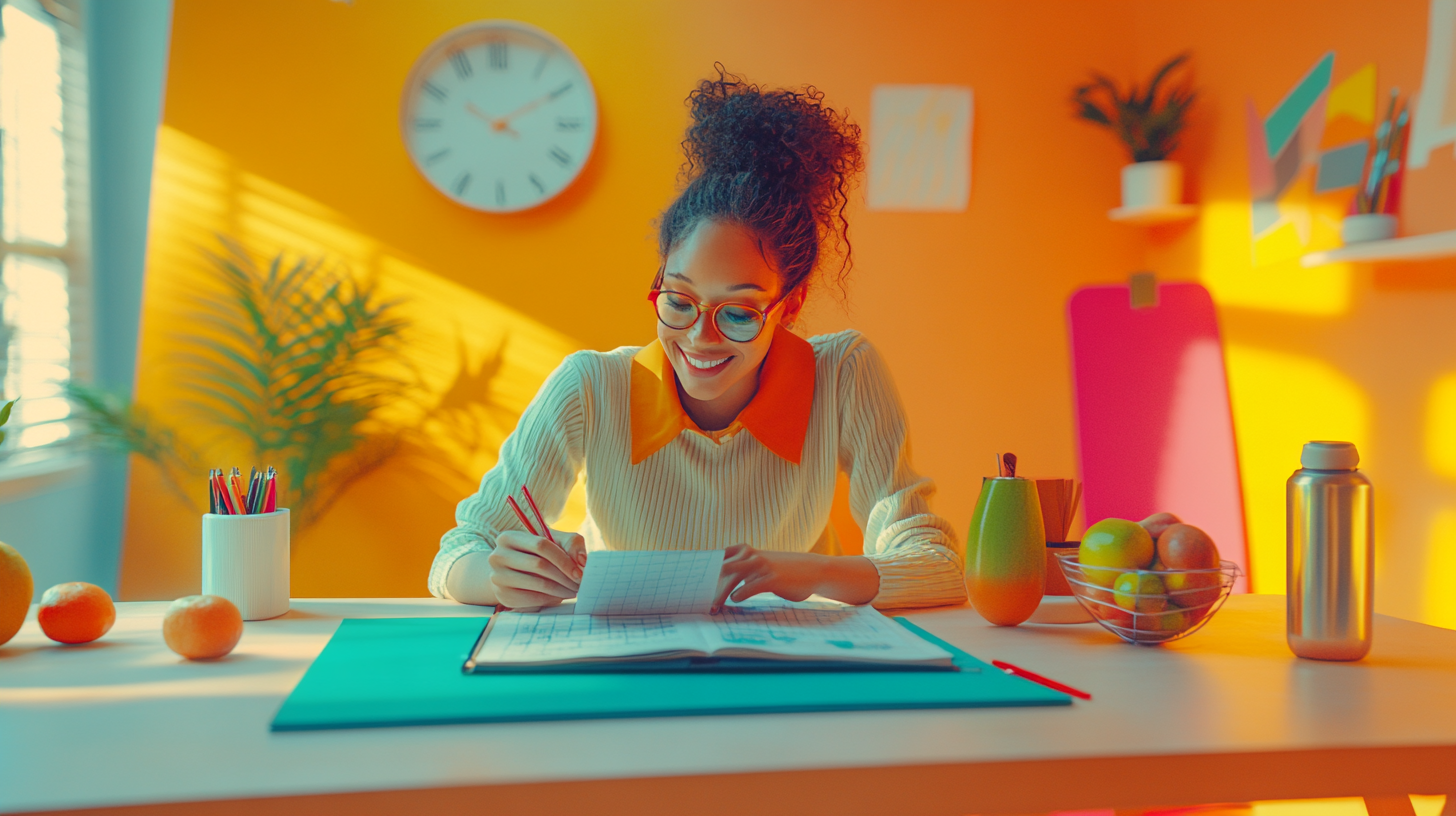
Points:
(1036, 678)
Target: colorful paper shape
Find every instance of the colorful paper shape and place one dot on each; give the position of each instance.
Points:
(1354, 96)
(1261, 167)
(1287, 116)
(1305, 158)
(1341, 167)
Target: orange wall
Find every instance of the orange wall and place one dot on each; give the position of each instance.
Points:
(300, 98)
(967, 307)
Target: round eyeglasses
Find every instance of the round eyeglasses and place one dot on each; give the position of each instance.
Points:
(738, 322)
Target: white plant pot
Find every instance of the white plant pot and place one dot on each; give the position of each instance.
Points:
(1367, 227)
(1152, 184)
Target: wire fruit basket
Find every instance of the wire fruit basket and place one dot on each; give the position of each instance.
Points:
(1147, 606)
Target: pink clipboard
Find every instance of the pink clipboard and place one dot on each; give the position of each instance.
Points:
(1154, 427)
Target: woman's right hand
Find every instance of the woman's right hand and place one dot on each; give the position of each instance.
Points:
(528, 571)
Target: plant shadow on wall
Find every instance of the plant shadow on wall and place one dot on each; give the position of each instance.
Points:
(299, 365)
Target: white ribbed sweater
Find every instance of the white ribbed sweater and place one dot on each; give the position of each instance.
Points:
(696, 493)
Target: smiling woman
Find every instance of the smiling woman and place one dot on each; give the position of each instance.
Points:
(728, 431)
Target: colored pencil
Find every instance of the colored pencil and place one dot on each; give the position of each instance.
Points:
(225, 499)
(1017, 671)
(545, 531)
(525, 522)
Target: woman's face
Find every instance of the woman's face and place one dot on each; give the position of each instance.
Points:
(721, 263)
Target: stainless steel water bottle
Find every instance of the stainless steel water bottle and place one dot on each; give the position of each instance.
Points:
(1331, 551)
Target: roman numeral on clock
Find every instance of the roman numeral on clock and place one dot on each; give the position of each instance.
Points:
(461, 183)
(561, 156)
(500, 193)
(535, 182)
(568, 123)
(435, 90)
(496, 52)
(461, 61)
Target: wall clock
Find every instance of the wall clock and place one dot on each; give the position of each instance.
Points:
(499, 115)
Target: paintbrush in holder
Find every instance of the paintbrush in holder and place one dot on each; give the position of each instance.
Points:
(1059, 498)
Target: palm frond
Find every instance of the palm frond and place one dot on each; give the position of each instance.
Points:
(1146, 122)
(111, 421)
(294, 357)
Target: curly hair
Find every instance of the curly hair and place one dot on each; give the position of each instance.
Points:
(777, 162)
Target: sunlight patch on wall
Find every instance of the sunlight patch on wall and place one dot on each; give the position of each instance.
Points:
(1439, 608)
(1282, 285)
(1354, 806)
(1280, 401)
(479, 361)
(1441, 426)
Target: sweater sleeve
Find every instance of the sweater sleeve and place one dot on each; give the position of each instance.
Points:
(545, 452)
(917, 553)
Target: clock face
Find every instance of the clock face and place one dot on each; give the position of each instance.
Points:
(499, 115)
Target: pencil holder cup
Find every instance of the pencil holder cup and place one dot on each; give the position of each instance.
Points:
(245, 559)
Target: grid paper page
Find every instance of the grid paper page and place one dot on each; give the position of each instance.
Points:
(649, 583)
(528, 637)
(821, 630)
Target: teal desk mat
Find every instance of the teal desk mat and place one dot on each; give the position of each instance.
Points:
(407, 671)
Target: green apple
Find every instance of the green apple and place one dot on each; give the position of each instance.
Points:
(1116, 543)
(1140, 592)
(1174, 620)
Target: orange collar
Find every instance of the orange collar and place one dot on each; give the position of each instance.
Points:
(777, 416)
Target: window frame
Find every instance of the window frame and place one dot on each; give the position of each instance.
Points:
(26, 470)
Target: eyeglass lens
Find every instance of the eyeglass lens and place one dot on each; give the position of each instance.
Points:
(740, 323)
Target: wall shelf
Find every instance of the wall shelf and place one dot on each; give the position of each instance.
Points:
(1145, 216)
(1414, 247)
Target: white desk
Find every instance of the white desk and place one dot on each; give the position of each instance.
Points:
(1226, 715)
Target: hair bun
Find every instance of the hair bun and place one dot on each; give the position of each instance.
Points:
(788, 137)
(779, 162)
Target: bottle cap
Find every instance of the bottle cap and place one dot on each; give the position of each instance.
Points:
(1329, 456)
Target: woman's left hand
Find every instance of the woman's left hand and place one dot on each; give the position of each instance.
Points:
(794, 576)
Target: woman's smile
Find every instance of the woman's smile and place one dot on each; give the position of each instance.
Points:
(704, 365)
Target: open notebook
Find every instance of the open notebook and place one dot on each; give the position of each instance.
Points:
(767, 635)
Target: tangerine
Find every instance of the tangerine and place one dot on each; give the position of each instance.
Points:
(16, 590)
(75, 612)
(202, 627)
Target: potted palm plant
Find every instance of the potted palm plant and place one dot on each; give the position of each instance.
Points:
(1148, 121)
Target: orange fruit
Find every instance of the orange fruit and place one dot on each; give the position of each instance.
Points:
(16, 590)
(202, 627)
(76, 612)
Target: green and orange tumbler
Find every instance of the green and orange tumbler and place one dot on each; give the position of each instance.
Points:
(1005, 550)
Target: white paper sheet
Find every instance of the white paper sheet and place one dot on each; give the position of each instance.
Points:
(649, 583)
(830, 631)
(544, 637)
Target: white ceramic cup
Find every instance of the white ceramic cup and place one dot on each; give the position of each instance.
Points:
(1367, 227)
(245, 559)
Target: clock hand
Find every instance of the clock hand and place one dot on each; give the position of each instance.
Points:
(532, 105)
(495, 124)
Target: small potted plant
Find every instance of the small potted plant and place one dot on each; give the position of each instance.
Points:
(1148, 122)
